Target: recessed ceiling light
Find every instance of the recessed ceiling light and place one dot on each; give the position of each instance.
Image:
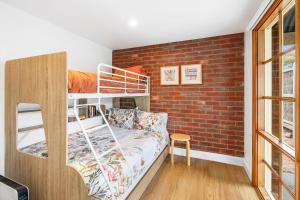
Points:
(133, 23)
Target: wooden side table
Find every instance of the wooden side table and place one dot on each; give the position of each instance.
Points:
(181, 138)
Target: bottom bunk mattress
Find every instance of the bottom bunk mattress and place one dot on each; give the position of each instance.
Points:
(139, 147)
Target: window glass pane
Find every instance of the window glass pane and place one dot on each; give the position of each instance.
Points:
(268, 79)
(272, 40)
(286, 195)
(271, 80)
(288, 172)
(288, 127)
(272, 117)
(271, 183)
(289, 29)
(288, 74)
(272, 156)
(282, 165)
(275, 78)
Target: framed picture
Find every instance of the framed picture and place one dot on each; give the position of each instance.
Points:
(169, 75)
(191, 74)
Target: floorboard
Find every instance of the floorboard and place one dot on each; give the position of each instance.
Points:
(203, 180)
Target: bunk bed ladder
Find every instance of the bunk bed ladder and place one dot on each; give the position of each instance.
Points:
(115, 139)
(97, 157)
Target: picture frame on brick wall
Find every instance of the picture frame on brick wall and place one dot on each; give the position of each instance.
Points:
(169, 75)
(191, 74)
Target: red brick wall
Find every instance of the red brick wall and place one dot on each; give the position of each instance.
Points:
(212, 113)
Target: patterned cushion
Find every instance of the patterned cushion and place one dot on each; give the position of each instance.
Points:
(155, 122)
(122, 118)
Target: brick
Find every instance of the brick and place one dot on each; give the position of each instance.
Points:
(212, 113)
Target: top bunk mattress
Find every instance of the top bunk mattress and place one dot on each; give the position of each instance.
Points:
(141, 148)
(86, 82)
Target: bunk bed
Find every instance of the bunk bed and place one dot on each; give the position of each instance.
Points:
(96, 162)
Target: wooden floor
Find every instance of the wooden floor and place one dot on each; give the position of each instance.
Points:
(203, 180)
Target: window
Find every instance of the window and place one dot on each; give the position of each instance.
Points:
(275, 117)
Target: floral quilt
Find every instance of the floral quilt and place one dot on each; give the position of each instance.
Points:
(140, 149)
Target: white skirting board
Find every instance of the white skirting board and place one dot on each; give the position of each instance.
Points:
(248, 170)
(211, 156)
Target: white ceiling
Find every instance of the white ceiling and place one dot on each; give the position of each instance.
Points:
(159, 21)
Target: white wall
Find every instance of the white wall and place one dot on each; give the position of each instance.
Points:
(22, 35)
(248, 103)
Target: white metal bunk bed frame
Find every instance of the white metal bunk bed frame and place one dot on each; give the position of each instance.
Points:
(99, 96)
